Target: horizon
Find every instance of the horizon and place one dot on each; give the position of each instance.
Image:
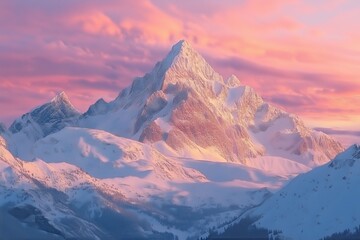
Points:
(307, 66)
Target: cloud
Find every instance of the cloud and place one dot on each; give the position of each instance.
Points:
(97, 23)
(291, 101)
(302, 55)
(337, 131)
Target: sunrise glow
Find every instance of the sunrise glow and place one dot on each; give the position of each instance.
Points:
(300, 55)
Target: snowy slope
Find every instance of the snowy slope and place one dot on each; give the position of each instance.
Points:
(184, 107)
(32, 201)
(316, 204)
(181, 196)
(60, 201)
(212, 192)
(48, 118)
(104, 155)
(126, 162)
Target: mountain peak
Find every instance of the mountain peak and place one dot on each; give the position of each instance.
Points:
(60, 97)
(182, 65)
(62, 100)
(185, 65)
(180, 46)
(47, 118)
(180, 51)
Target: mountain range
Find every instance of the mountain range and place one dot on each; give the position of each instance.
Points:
(180, 153)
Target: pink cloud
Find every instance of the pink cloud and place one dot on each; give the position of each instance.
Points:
(308, 51)
(97, 23)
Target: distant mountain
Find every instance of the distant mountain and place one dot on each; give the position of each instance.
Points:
(184, 107)
(40, 122)
(346, 137)
(48, 118)
(314, 205)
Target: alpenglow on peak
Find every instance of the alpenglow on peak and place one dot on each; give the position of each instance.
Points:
(61, 97)
(182, 65)
(184, 57)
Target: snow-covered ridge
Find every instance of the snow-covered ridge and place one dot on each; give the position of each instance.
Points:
(104, 155)
(128, 172)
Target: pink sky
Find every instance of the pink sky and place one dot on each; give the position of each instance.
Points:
(302, 55)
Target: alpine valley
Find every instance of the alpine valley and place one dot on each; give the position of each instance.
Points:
(182, 153)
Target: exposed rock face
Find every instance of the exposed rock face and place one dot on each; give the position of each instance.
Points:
(152, 133)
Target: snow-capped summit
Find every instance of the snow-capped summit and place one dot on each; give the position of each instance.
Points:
(47, 118)
(183, 107)
(62, 98)
(185, 65)
(104, 155)
(42, 121)
(100, 107)
(182, 66)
